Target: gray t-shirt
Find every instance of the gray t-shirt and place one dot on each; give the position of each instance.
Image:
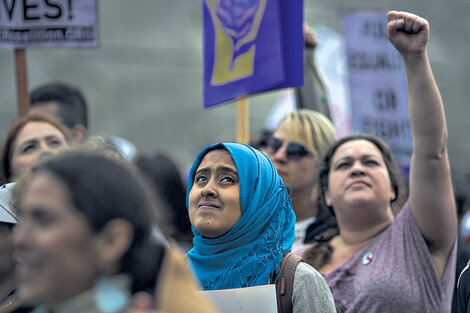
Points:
(393, 273)
(311, 293)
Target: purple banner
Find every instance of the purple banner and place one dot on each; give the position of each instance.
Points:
(251, 46)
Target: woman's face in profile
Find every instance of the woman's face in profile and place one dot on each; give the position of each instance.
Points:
(33, 141)
(56, 252)
(214, 199)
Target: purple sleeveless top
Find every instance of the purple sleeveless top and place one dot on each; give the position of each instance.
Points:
(393, 273)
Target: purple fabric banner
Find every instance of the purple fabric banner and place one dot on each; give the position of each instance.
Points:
(251, 46)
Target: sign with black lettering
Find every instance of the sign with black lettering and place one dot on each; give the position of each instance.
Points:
(377, 82)
(48, 23)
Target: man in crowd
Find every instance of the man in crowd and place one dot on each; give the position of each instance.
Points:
(65, 103)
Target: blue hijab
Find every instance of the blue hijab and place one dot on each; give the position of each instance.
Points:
(253, 249)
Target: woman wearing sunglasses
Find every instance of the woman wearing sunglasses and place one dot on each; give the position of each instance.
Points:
(381, 262)
(295, 148)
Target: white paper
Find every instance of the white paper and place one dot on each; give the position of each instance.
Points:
(259, 299)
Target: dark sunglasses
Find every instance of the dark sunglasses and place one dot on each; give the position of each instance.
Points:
(294, 151)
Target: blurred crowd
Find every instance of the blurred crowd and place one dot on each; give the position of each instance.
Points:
(91, 224)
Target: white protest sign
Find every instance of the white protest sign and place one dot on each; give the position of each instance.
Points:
(331, 60)
(285, 103)
(48, 23)
(377, 82)
(247, 300)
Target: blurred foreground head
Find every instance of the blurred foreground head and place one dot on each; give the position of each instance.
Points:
(83, 216)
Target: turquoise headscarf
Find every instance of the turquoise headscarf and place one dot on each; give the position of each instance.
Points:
(249, 253)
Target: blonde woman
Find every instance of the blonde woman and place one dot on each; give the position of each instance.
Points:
(296, 147)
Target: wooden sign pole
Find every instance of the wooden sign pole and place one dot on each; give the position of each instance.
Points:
(243, 120)
(21, 82)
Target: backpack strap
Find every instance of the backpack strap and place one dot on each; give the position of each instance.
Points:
(285, 282)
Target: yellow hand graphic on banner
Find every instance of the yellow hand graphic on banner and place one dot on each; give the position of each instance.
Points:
(228, 65)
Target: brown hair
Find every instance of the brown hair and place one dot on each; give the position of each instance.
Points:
(15, 129)
(319, 254)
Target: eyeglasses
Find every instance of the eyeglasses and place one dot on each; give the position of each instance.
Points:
(294, 151)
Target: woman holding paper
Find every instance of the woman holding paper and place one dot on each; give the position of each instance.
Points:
(243, 224)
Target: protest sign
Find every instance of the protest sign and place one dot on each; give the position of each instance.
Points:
(247, 300)
(47, 23)
(377, 82)
(331, 59)
(250, 46)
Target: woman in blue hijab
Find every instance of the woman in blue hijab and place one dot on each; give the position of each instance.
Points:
(243, 224)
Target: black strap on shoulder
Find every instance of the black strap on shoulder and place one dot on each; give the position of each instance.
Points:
(285, 282)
